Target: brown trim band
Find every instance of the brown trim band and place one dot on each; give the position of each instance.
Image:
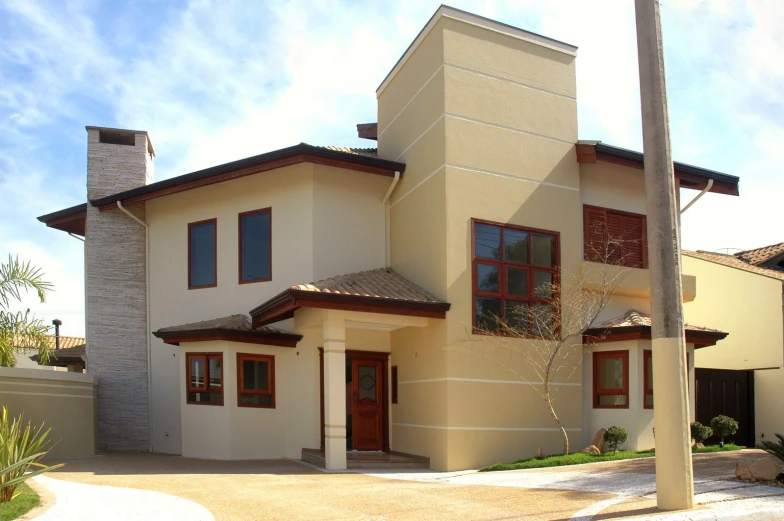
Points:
(617, 334)
(269, 338)
(286, 303)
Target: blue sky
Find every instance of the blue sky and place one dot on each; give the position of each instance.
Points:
(218, 81)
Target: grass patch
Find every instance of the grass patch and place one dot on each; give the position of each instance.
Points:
(578, 458)
(20, 505)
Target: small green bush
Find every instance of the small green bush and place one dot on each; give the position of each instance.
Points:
(615, 436)
(774, 448)
(700, 432)
(724, 426)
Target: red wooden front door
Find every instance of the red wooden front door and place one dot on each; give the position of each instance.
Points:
(367, 405)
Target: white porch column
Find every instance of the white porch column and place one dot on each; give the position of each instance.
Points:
(334, 390)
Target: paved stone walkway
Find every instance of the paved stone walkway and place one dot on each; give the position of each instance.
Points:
(153, 486)
(80, 502)
(633, 484)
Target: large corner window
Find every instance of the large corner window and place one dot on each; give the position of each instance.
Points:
(611, 380)
(515, 273)
(204, 375)
(255, 380)
(615, 237)
(202, 254)
(255, 241)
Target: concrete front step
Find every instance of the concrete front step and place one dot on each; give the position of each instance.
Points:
(356, 460)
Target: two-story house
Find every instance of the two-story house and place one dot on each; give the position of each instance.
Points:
(309, 298)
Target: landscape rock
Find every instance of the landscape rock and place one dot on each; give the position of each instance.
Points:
(763, 469)
(598, 440)
(592, 449)
(700, 446)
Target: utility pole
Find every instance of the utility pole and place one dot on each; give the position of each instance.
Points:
(674, 474)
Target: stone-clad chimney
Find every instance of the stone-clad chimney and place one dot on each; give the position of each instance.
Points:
(116, 287)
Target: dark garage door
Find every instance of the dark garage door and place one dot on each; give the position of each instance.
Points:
(728, 392)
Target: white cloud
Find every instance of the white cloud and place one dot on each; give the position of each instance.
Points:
(215, 84)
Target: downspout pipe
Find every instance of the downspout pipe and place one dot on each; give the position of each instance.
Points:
(704, 191)
(147, 300)
(385, 204)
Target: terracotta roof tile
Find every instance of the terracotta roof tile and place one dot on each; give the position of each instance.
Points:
(733, 262)
(758, 256)
(65, 341)
(230, 323)
(633, 318)
(382, 283)
(369, 152)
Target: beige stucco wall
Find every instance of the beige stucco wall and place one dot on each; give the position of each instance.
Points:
(499, 146)
(62, 401)
(636, 419)
(746, 305)
(768, 390)
(325, 222)
(232, 432)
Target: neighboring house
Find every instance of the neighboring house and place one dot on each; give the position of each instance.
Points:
(210, 339)
(70, 356)
(744, 375)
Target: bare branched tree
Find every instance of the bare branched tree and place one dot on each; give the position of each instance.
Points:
(547, 332)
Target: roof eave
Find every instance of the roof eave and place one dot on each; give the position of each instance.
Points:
(690, 176)
(285, 304)
(302, 153)
(232, 335)
(616, 334)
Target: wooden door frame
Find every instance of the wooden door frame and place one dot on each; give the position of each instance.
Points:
(367, 355)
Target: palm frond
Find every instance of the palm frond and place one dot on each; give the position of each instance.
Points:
(18, 277)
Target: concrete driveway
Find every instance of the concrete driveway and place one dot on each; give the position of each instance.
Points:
(292, 490)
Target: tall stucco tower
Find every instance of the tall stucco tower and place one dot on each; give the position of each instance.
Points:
(116, 288)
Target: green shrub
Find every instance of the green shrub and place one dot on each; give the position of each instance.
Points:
(614, 437)
(724, 426)
(21, 449)
(700, 432)
(776, 449)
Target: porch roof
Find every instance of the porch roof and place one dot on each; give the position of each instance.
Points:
(67, 355)
(234, 328)
(376, 291)
(634, 325)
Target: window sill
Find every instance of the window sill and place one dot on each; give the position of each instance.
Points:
(254, 281)
(205, 403)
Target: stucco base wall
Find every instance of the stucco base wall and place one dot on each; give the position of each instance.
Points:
(62, 401)
(768, 392)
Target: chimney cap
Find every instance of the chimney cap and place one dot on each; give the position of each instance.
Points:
(127, 131)
(57, 322)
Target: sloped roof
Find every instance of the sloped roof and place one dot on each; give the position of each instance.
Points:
(383, 283)
(634, 318)
(733, 262)
(381, 290)
(759, 256)
(369, 152)
(65, 341)
(73, 354)
(235, 328)
(637, 325)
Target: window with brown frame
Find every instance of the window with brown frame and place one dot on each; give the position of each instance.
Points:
(515, 272)
(203, 254)
(204, 378)
(611, 380)
(255, 246)
(618, 237)
(255, 380)
(394, 384)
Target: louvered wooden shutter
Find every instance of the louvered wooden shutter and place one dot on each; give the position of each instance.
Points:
(595, 224)
(619, 237)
